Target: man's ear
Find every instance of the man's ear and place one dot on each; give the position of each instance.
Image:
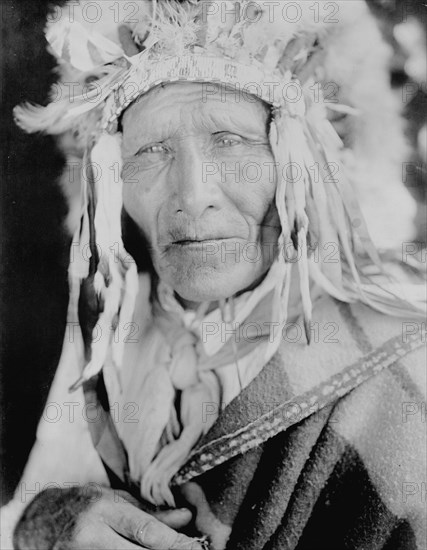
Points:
(70, 180)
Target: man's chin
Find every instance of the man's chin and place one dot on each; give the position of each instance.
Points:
(208, 286)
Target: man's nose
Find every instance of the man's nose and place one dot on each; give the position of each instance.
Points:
(196, 190)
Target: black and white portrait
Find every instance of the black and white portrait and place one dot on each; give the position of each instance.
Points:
(214, 275)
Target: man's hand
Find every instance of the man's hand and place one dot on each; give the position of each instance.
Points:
(67, 520)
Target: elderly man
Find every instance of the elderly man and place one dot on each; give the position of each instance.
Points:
(200, 416)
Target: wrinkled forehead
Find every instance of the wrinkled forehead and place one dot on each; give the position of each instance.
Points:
(183, 105)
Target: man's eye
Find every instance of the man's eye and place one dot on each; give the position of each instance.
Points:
(226, 142)
(229, 141)
(156, 148)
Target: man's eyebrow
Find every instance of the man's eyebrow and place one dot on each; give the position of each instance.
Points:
(231, 121)
(213, 120)
(150, 133)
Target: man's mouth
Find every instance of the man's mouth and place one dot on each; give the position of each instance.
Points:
(199, 241)
(207, 244)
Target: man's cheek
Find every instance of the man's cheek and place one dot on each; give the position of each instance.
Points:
(252, 182)
(252, 167)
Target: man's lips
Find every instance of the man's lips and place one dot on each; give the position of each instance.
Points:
(206, 240)
(191, 233)
(200, 243)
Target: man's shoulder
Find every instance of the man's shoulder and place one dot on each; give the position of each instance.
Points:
(350, 336)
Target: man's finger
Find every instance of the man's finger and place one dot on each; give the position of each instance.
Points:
(148, 531)
(116, 542)
(88, 538)
(174, 518)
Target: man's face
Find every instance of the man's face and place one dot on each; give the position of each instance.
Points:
(199, 181)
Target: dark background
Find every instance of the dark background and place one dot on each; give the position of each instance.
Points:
(34, 292)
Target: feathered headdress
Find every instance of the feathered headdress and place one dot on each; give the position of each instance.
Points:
(306, 61)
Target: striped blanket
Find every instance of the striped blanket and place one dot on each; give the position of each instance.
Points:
(292, 465)
(324, 449)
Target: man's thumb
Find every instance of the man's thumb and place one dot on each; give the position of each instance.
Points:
(175, 519)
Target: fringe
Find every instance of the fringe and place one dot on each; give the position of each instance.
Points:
(112, 282)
